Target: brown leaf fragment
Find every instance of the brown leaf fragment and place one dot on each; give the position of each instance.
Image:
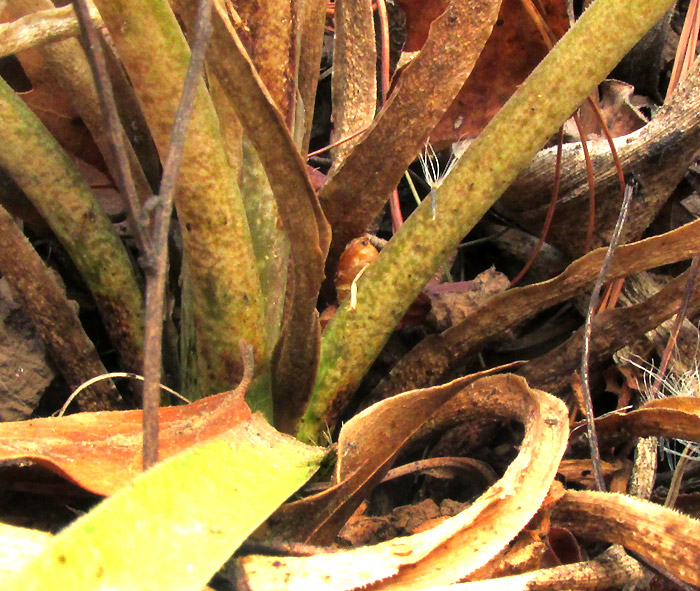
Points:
(661, 535)
(618, 109)
(403, 520)
(611, 330)
(451, 303)
(459, 545)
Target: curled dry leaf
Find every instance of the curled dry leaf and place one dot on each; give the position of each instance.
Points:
(101, 451)
(367, 446)
(663, 536)
(356, 256)
(613, 568)
(461, 544)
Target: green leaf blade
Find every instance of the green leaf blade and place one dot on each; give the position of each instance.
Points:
(177, 524)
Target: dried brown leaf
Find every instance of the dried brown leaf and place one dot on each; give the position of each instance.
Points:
(268, 30)
(612, 569)
(312, 20)
(354, 81)
(434, 356)
(611, 330)
(675, 418)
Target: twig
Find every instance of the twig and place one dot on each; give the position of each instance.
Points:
(689, 454)
(337, 143)
(45, 26)
(631, 187)
(155, 283)
(113, 126)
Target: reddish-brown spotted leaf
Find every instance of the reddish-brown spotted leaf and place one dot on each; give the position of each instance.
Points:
(511, 53)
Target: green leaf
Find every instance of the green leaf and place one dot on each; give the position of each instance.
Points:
(562, 81)
(175, 525)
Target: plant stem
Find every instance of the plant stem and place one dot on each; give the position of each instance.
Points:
(581, 59)
(158, 269)
(226, 296)
(50, 180)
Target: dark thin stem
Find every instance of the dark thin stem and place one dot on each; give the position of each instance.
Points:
(155, 283)
(611, 142)
(550, 212)
(592, 305)
(337, 143)
(113, 127)
(680, 316)
(591, 184)
(384, 78)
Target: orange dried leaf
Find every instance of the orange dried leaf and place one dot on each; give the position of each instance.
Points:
(419, 15)
(101, 451)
